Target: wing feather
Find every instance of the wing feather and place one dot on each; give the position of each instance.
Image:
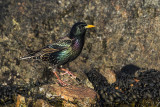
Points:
(46, 51)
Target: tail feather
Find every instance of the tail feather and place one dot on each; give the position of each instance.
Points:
(29, 57)
(32, 55)
(26, 57)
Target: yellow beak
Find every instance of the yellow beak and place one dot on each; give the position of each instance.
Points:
(89, 26)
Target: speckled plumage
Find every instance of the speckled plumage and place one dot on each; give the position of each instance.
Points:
(66, 49)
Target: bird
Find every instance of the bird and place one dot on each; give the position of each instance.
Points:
(63, 50)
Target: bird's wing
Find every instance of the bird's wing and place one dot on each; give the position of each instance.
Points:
(45, 52)
(61, 44)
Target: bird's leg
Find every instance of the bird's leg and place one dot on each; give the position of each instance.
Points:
(59, 80)
(67, 72)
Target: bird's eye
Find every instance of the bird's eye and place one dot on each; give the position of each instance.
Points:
(81, 28)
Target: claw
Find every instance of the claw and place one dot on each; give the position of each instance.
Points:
(59, 80)
(67, 72)
(62, 83)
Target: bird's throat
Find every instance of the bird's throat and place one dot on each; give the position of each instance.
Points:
(78, 44)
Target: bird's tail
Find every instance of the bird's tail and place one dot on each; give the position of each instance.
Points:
(26, 57)
(29, 57)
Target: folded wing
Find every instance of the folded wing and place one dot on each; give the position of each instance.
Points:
(46, 51)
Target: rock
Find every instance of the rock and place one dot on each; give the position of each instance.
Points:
(49, 95)
(26, 102)
(21, 101)
(127, 32)
(83, 96)
(42, 103)
(109, 75)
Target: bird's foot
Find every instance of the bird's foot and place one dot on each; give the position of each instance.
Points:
(62, 82)
(59, 80)
(67, 72)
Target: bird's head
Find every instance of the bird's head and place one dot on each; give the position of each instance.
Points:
(79, 29)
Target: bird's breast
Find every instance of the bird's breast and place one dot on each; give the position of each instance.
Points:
(71, 53)
(76, 44)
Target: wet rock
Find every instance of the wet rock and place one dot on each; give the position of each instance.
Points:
(128, 88)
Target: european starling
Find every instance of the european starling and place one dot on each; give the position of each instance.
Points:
(63, 51)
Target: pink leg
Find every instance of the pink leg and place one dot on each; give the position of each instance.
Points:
(67, 72)
(59, 80)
